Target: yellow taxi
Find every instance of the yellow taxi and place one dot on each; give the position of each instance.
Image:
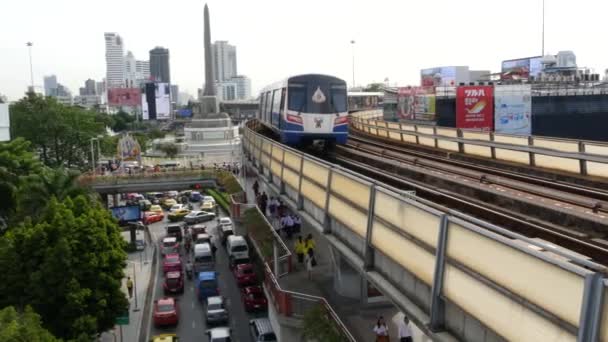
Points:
(208, 206)
(156, 208)
(178, 215)
(169, 202)
(165, 338)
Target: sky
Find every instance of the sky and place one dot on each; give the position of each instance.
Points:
(394, 39)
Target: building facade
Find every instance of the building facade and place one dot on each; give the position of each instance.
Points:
(224, 60)
(50, 85)
(137, 72)
(142, 69)
(88, 101)
(115, 61)
(235, 88)
(159, 65)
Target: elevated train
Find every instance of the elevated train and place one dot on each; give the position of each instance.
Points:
(306, 108)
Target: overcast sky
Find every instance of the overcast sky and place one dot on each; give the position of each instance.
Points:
(274, 39)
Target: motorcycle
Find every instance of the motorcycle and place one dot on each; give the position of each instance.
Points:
(189, 274)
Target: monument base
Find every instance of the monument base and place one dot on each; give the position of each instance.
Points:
(209, 104)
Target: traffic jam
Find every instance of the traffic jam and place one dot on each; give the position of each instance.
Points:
(194, 236)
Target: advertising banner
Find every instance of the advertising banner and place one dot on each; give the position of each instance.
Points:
(184, 113)
(163, 101)
(475, 107)
(130, 97)
(126, 213)
(443, 76)
(416, 103)
(513, 109)
(521, 69)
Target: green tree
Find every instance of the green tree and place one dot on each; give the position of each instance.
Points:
(374, 87)
(68, 266)
(121, 121)
(26, 326)
(16, 160)
(319, 326)
(156, 133)
(169, 149)
(60, 134)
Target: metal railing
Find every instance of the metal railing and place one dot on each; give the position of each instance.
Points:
(92, 179)
(286, 303)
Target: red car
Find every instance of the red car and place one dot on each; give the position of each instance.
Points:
(174, 282)
(244, 274)
(172, 262)
(153, 216)
(253, 298)
(165, 312)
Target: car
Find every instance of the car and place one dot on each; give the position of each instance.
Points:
(225, 221)
(144, 204)
(215, 311)
(153, 216)
(220, 334)
(232, 262)
(178, 215)
(175, 230)
(165, 338)
(245, 274)
(198, 216)
(224, 232)
(208, 206)
(253, 298)
(198, 229)
(166, 312)
(172, 262)
(171, 194)
(202, 238)
(195, 196)
(177, 206)
(261, 330)
(168, 203)
(174, 282)
(156, 208)
(140, 245)
(206, 284)
(169, 245)
(208, 199)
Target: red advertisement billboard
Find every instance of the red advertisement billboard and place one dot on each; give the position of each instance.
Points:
(475, 107)
(124, 97)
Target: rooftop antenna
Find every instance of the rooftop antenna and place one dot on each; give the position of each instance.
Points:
(543, 37)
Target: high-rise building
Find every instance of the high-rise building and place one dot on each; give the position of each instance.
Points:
(224, 60)
(142, 68)
(235, 88)
(174, 93)
(100, 87)
(159, 65)
(89, 87)
(130, 70)
(115, 61)
(50, 85)
(243, 87)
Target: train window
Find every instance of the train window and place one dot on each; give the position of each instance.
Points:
(276, 101)
(297, 97)
(338, 98)
(261, 109)
(267, 107)
(282, 105)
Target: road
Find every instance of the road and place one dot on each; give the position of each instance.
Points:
(192, 325)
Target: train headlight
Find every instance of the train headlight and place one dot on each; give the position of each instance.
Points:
(341, 120)
(294, 118)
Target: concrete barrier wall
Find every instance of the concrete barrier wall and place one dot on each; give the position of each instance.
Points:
(513, 290)
(579, 157)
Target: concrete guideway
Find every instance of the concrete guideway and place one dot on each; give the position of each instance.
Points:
(451, 287)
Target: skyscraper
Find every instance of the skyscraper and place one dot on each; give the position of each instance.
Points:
(50, 85)
(115, 61)
(142, 68)
(159, 65)
(130, 70)
(224, 60)
(89, 87)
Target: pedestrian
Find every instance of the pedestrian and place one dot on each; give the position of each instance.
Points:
(297, 223)
(309, 244)
(271, 207)
(309, 260)
(405, 331)
(381, 330)
(288, 226)
(256, 188)
(130, 287)
(300, 249)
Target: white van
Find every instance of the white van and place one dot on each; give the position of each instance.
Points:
(237, 247)
(203, 257)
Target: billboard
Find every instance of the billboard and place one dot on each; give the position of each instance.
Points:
(163, 101)
(128, 148)
(522, 68)
(442, 76)
(475, 107)
(513, 109)
(184, 113)
(416, 103)
(126, 213)
(5, 123)
(130, 97)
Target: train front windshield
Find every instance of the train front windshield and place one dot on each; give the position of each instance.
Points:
(317, 97)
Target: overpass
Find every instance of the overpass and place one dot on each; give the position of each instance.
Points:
(457, 277)
(150, 182)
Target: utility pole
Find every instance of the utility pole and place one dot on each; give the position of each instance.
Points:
(135, 288)
(29, 46)
(543, 38)
(352, 43)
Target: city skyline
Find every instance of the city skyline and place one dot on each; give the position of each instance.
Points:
(393, 40)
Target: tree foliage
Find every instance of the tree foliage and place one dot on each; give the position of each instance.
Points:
(374, 87)
(121, 121)
(319, 326)
(26, 326)
(60, 134)
(68, 266)
(169, 149)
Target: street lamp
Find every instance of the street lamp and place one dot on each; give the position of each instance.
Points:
(29, 46)
(352, 43)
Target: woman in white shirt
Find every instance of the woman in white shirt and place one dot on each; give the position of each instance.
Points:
(405, 331)
(381, 330)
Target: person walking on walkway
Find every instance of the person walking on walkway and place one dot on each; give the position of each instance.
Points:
(130, 287)
(309, 260)
(272, 207)
(381, 330)
(309, 244)
(288, 226)
(256, 188)
(405, 331)
(297, 223)
(300, 249)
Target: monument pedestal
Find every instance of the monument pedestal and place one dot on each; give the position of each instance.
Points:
(209, 104)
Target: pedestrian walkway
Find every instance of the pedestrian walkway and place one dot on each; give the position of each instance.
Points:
(139, 268)
(358, 317)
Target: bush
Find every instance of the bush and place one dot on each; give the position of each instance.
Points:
(220, 199)
(320, 327)
(260, 231)
(229, 182)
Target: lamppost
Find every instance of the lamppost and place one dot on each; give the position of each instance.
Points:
(352, 44)
(29, 46)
